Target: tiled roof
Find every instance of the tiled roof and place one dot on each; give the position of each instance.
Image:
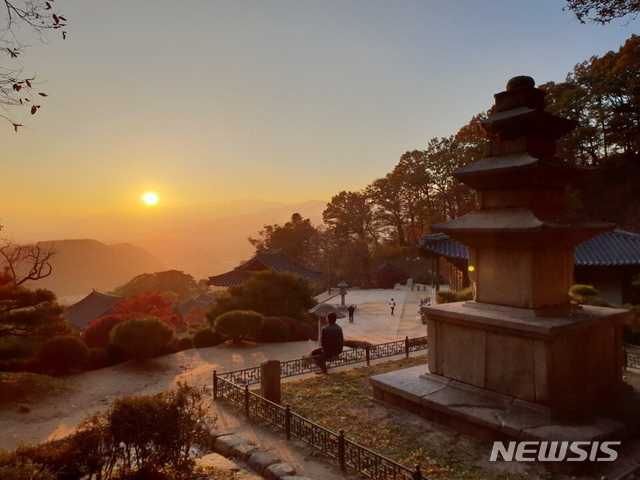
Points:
(605, 249)
(262, 261)
(229, 279)
(441, 244)
(92, 306)
(609, 248)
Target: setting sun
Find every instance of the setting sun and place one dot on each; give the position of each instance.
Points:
(150, 198)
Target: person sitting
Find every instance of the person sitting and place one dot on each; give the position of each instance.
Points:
(331, 341)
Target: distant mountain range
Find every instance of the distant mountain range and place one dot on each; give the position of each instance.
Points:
(201, 241)
(83, 265)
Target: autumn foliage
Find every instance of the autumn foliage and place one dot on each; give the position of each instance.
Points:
(149, 304)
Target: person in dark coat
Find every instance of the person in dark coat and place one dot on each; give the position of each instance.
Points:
(351, 309)
(331, 341)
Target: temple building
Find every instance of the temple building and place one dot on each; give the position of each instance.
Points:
(94, 305)
(275, 260)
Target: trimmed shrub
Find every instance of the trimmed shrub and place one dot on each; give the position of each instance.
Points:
(583, 294)
(63, 354)
(273, 329)
(98, 358)
(299, 330)
(447, 296)
(238, 325)
(185, 343)
(207, 338)
(142, 338)
(97, 333)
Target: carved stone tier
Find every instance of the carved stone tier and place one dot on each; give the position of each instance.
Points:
(568, 360)
(521, 236)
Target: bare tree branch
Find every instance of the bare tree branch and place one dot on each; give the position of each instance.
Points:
(21, 22)
(603, 11)
(26, 262)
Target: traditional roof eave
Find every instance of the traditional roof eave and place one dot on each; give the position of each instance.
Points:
(617, 248)
(275, 260)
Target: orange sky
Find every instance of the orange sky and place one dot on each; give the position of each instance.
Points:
(280, 100)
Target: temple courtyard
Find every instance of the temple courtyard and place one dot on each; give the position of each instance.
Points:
(56, 416)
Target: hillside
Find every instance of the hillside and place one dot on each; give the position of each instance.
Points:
(83, 265)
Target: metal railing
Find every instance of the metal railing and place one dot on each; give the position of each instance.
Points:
(301, 366)
(331, 444)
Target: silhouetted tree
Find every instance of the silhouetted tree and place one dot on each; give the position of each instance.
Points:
(176, 283)
(269, 293)
(24, 311)
(603, 11)
(297, 239)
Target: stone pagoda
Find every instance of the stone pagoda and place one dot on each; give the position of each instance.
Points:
(519, 359)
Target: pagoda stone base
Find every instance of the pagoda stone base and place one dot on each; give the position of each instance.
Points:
(568, 359)
(483, 414)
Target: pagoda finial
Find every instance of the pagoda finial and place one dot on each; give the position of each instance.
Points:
(521, 81)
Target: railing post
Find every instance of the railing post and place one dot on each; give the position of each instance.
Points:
(246, 400)
(215, 384)
(287, 422)
(406, 346)
(368, 352)
(343, 465)
(417, 474)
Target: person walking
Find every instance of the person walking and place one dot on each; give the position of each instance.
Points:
(392, 304)
(351, 309)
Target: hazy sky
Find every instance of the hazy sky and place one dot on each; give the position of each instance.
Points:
(204, 100)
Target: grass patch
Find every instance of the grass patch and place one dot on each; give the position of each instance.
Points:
(344, 400)
(20, 387)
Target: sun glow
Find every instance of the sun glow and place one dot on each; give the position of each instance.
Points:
(150, 198)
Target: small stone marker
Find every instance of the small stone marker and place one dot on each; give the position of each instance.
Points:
(270, 384)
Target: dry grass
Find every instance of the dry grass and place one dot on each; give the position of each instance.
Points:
(344, 400)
